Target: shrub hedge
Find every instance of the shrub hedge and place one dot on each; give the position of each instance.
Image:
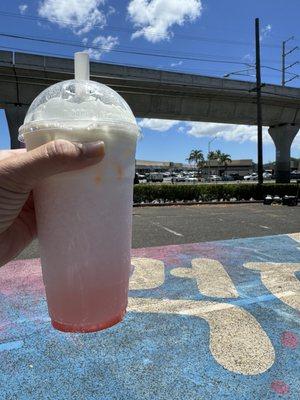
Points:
(147, 193)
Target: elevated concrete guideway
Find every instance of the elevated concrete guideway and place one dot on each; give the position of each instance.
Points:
(153, 93)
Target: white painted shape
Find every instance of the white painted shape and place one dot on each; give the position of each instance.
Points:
(148, 274)
(211, 277)
(237, 341)
(279, 277)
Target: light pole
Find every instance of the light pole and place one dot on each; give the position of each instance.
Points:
(214, 138)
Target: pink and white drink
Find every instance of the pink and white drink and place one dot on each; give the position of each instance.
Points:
(84, 218)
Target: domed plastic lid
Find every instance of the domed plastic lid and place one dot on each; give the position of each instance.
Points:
(77, 103)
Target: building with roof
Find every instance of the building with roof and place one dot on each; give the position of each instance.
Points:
(144, 166)
(240, 167)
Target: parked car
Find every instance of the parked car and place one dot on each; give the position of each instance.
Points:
(166, 174)
(180, 178)
(141, 176)
(214, 178)
(251, 177)
(237, 177)
(267, 176)
(155, 177)
(192, 179)
(227, 178)
(295, 175)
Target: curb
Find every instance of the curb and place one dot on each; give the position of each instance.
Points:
(195, 203)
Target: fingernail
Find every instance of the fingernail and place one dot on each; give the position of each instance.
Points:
(93, 149)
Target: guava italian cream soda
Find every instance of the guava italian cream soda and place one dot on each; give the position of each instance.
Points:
(84, 217)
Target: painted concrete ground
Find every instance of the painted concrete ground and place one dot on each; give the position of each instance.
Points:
(217, 320)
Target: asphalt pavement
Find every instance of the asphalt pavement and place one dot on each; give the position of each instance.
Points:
(160, 226)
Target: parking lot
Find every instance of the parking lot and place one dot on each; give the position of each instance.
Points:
(159, 226)
(192, 178)
(189, 182)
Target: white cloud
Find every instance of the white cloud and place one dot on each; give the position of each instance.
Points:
(296, 145)
(23, 8)
(79, 15)
(265, 32)
(234, 133)
(154, 19)
(228, 132)
(176, 64)
(111, 10)
(160, 125)
(104, 44)
(249, 57)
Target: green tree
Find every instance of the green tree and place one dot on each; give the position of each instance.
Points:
(211, 155)
(196, 157)
(214, 155)
(224, 159)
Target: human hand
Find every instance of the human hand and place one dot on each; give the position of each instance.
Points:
(20, 171)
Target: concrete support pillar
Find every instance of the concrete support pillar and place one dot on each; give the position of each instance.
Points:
(15, 117)
(283, 136)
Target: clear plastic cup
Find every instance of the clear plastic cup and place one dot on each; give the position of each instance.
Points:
(84, 218)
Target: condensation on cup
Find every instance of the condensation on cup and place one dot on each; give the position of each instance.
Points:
(84, 218)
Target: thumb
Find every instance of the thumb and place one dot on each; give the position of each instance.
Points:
(21, 173)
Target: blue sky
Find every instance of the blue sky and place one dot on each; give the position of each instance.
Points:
(208, 29)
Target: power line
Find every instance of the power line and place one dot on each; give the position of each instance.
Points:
(180, 54)
(165, 68)
(130, 64)
(241, 72)
(128, 30)
(276, 69)
(176, 53)
(52, 41)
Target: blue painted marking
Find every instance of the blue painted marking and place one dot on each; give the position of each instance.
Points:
(150, 356)
(17, 344)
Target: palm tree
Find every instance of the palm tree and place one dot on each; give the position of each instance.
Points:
(214, 155)
(196, 157)
(224, 159)
(218, 154)
(211, 155)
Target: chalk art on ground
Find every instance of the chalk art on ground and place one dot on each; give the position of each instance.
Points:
(215, 320)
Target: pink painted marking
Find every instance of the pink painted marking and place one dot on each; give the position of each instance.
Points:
(280, 387)
(289, 339)
(21, 277)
